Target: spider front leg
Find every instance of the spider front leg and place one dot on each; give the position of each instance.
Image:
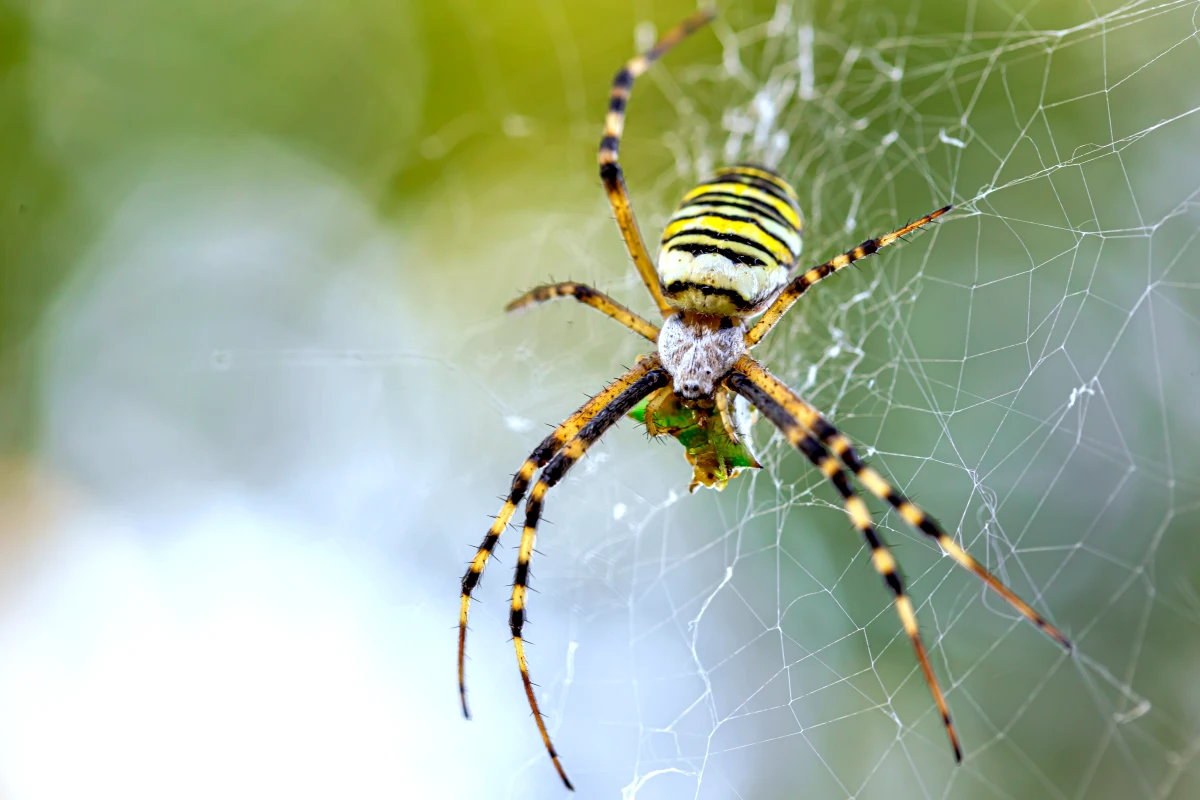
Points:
(610, 168)
(604, 419)
(828, 435)
(860, 516)
(799, 285)
(723, 401)
(589, 297)
(549, 446)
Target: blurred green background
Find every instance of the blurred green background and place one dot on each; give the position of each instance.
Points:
(257, 398)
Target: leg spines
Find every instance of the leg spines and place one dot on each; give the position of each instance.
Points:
(520, 484)
(652, 378)
(877, 485)
(881, 558)
(519, 644)
(801, 283)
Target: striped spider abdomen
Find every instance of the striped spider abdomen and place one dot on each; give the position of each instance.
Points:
(729, 248)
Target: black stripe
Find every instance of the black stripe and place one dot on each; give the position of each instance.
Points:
(541, 455)
(755, 220)
(870, 247)
(929, 527)
(516, 621)
(741, 258)
(533, 510)
(737, 258)
(872, 538)
(617, 103)
(740, 201)
(758, 183)
(841, 483)
(850, 458)
(600, 423)
(519, 485)
(810, 448)
(470, 580)
(623, 79)
(610, 143)
(739, 302)
(770, 187)
(823, 430)
(610, 173)
(580, 292)
(521, 578)
(760, 400)
(893, 582)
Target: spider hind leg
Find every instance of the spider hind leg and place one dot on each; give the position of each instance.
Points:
(554, 471)
(860, 516)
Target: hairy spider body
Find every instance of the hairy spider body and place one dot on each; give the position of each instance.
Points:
(728, 254)
(698, 350)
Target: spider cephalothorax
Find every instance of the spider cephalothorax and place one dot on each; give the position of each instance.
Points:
(697, 350)
(729, 253)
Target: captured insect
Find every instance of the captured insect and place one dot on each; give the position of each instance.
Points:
(729, 254)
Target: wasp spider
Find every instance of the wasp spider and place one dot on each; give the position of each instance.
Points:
(727, 255)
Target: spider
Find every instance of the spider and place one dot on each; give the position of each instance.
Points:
(729, 254)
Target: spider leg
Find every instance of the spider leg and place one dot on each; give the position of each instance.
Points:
(860, 516)
(799, 285)
(610, 169)
(589, 297)
(723, 408)
(544, 451)
(604, 419)
(875, 483)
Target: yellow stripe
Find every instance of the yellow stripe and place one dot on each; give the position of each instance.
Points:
(753, 193)
(884, 563)
(912, 515)
(614, 123)
(954, 551)
(874, 482)
(789, 236)
(907, 616)
(765, 175)
(700, 237)
(718, 225)
(859, 514)
(481, 556)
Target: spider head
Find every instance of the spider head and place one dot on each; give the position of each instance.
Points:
(698, 350)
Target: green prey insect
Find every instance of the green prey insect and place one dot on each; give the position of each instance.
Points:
(715, 439)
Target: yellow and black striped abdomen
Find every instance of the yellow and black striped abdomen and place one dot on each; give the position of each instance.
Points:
(728, 248)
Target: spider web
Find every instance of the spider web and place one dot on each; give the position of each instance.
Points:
(1024, 372)
(279, 417)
